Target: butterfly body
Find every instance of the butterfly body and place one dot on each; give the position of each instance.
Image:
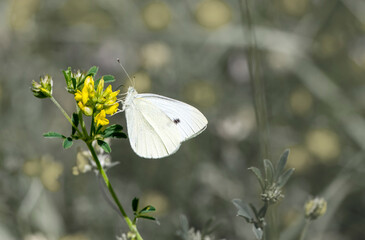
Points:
(157, 125)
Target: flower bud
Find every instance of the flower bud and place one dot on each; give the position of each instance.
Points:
(272, 194)
(43, 89)
(315, 208)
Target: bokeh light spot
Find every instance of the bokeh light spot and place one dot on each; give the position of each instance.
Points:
(155, 55)
(295, 7)
(213, 14)
(301, 101)
(201, 93)
(156, 15)
(300, 158)
(324, 144)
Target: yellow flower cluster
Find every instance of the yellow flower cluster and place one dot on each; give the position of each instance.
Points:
(97, 102)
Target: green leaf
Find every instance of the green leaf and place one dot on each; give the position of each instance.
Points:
(75, 121)
(269, 171)
(108, 78)
(243, 210)
(146, 217)
(135, 204)
(53, 135)
(92, 71)
(147, 209)
(67, 75)
(114, 130)
(258, 174)
(73, 82)
(285, 177)
(118, 135)
(67, 143)
(281, 164)
(104, 145)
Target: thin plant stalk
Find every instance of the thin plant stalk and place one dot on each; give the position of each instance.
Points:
(304, 230)
(88, 141)
(131, 226)
(257, 82)
(64, 114)
(260, 105)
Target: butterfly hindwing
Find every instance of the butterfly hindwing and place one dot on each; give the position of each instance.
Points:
(189, 120)
(151, 132)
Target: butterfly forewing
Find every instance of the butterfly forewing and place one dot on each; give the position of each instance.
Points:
(151, 132)
(189, 120)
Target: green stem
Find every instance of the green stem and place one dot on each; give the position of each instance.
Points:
(131, 226)
(82, 124)
(92, 126)
(304, 230)
(272, 224)
(65, 114)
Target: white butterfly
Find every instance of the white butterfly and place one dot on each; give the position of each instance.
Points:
(157, 125)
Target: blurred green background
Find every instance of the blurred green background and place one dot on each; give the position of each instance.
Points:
(312, 62)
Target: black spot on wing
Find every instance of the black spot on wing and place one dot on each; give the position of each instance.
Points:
(176, 121)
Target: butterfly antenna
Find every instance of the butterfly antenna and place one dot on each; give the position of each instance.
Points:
(130, 79)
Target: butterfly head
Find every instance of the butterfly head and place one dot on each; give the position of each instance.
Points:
(131, 94)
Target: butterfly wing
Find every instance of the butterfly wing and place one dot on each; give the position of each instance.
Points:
(151, 132)
(189, 120)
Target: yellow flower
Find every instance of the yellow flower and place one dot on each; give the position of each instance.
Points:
(100, 89)
(78, 96)
(97, 102)
(112, 109)
(100, 118)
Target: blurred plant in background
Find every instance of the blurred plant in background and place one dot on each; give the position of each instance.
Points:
(313, 65)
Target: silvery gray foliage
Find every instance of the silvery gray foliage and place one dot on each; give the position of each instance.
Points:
(190, 233)
(271, 184)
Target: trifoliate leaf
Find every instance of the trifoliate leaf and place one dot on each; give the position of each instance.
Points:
(105, 146)
(53, 135)
(67, 143)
